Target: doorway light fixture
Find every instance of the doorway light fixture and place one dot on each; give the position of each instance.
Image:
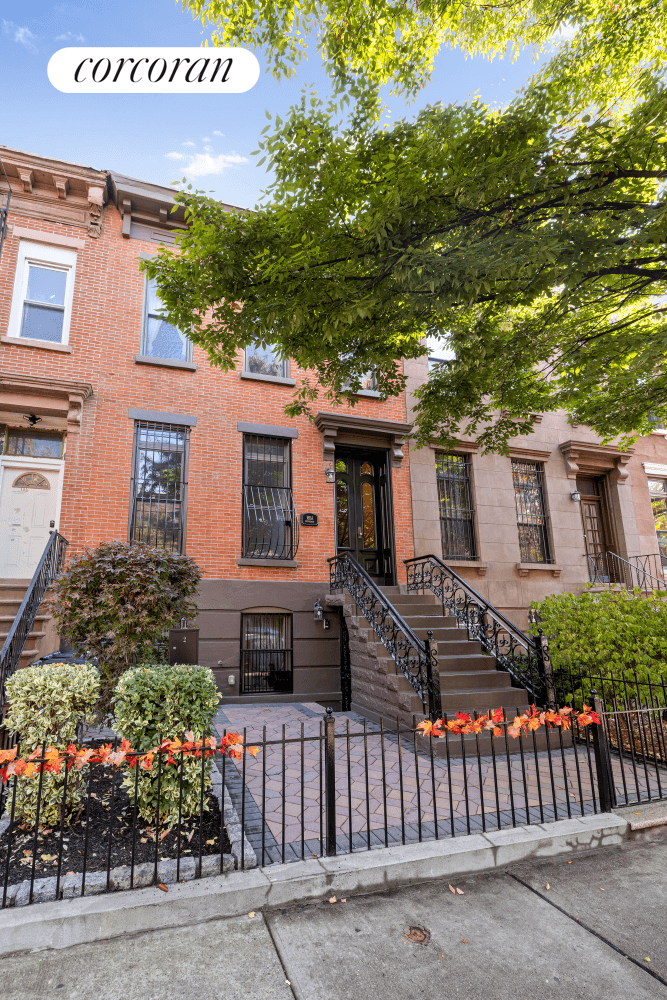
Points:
(330, 473)
(32, 419)
(318, 612)
(576, 496)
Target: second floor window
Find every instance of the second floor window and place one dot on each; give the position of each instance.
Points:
(457, 518)
(159, 485)
(43, 291)
(161, 339)
(658, 491)
(531, 514)
(270, 527)
(265, 361)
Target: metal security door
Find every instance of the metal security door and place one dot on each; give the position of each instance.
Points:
(361, 505)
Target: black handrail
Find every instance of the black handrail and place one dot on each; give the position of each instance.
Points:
(610, 568)
(417, 660)
(526, 659)
(48, 568)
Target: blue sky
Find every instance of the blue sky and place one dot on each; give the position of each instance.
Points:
(160, 137)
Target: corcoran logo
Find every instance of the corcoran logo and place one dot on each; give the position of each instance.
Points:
(153, 70)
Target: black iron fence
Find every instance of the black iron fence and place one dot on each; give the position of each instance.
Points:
(48, 568)
(331, 785)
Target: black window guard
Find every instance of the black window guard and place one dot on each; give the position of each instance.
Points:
(457, 517)
(159, 485)
(270, 522)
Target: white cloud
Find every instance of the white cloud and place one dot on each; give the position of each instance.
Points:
(206, 138)
(23, 36)
(70, 36)
(175, 156)
(565, 33)
(203, 164)
(187, 144)
(221, 134)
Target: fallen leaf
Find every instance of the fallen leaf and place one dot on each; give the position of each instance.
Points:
(463, 941)
(288, 982)
(162, 886)
(144, 840)
(210, 841)
(251, 914)
(48, 857)
(343, 901)
(569, 862)
(165, 833)
(190, 836)
(460, 892)
(601, 889)
(332, 899)
(646, 958)
(452, 889)
(547, 886)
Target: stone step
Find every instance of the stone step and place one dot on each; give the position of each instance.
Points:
(470, 661)
(475, 680)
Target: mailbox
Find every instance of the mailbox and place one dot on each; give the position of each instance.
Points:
(183, 645)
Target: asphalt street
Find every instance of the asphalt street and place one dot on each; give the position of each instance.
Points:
(511, 935)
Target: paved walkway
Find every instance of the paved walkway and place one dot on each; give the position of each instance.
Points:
(390, 791)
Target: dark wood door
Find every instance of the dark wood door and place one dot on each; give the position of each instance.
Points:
(363, 511)
(596, 529)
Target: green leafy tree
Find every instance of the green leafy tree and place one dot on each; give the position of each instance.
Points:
(117, 600)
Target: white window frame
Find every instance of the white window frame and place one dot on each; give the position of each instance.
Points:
(56, 258)
(144, 333)
(273, 378)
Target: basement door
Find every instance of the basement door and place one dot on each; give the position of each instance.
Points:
(364, 511)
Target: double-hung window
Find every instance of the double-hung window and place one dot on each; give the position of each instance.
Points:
(457, 517)
(658, 491)
(159, 485)
(161, 339)
(269, 520)
(43, 292)
(265, 361)
(531, 515)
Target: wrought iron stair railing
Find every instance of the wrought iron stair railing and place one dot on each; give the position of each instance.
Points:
(526, 659)
(642, 573)
(48, 568)
(417, 660)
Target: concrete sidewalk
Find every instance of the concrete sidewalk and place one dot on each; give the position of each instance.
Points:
(503, 938)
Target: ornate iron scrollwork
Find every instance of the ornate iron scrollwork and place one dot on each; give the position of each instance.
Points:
(412, 656)
(513, 651)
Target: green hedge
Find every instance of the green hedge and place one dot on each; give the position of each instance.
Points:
(155, 701)
(48, 704)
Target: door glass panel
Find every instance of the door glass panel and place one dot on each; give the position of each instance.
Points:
(367, 469)
(35, 444)
(368, 515)
(341, 466)
(342, 512)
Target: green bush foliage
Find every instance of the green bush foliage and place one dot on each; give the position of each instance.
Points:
(616, 635)
(48, 704)
(117, 600)
(154, 702)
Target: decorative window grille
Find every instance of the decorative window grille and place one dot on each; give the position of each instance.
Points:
(159, 485)
(531, 515)
(270, 524)
(266, 653)
(457, 517)
(161, 339)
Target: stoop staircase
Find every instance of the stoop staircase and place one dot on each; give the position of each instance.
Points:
(469, 679)
(42, 638)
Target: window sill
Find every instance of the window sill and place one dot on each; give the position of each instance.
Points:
(277, 379)
(526, 568)
(45, 345)
(277, 563)
(367, 393)
(477, 564)
(145, 359)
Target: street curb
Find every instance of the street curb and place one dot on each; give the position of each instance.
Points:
(69, 922)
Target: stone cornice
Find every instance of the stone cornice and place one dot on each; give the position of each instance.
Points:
(531, 454)
(589, 457)
(332, 424)
(45, 396)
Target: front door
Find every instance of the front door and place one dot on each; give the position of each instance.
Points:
(596, 528)
(364, 511)
(28, 507)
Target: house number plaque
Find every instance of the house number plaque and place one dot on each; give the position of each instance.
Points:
(309, 520)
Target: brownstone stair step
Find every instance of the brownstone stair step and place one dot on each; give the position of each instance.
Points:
(475, 680)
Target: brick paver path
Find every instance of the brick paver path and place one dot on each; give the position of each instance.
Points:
(401, 794)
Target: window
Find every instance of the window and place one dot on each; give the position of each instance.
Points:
(160, 339)
(34, 444)
(457, 518)
(269, 520)
(260, 360)
(658, 491)
(530, 512)
(43, 290)
(159, 485)
(266, 653)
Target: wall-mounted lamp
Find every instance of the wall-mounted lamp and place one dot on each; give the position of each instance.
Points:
(32, 419)
(318, 612)
(330, 473)
(576, 496)
(534, 616)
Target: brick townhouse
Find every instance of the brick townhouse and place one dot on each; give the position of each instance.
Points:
(116, 426)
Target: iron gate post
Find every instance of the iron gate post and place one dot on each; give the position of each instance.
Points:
(330, 782)
(545, 669)
(433, 678)
(606, 789)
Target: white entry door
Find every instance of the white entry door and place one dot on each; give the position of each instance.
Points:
(29, 502)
